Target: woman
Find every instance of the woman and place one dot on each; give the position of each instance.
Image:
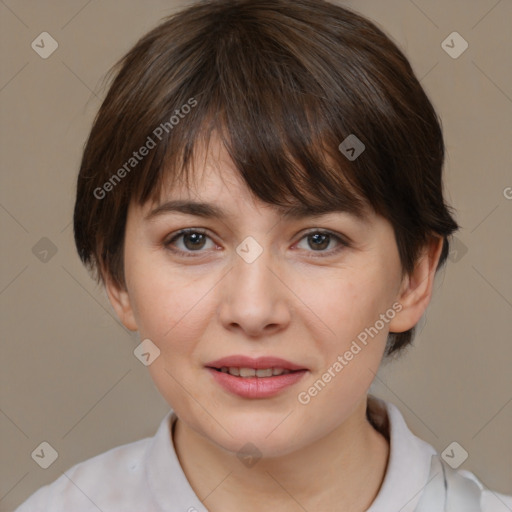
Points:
(261, 195)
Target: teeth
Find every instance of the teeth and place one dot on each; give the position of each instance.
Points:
(247, 372)
(252, 372)
(264, 373)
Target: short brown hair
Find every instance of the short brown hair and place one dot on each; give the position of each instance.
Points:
(283, 82)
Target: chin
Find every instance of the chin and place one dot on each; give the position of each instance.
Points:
(262, 447)
(265, 436)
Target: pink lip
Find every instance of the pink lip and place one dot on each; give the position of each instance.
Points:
(258, 363)
(255, 387)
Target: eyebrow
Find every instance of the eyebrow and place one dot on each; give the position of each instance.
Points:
(210, 210)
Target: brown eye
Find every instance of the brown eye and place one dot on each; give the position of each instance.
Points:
(192, 240)
(319, 241)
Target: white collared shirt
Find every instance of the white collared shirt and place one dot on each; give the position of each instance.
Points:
(146, 476)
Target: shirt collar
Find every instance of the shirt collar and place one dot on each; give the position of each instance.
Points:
(406, 475)
(166, 480)
(408, 468)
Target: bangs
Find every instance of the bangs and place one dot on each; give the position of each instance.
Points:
(291, 168)
(276, 114)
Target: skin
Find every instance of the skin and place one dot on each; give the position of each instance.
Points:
(289, 303)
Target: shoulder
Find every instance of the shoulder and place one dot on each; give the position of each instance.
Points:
(454, 490)
(464, 490)
(113, 477)
(418, 479)
(145, 475)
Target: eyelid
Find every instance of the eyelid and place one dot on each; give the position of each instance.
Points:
(334, 234)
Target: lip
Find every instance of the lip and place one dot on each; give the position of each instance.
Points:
(255, 387)
(258, 363)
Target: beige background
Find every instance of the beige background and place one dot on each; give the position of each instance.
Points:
(68, 374)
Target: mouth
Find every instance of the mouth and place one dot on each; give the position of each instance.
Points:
(246, 373)
(255, 378)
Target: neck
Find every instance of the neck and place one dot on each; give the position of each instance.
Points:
(347, 466)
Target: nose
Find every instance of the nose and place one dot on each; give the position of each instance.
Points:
(255, 298)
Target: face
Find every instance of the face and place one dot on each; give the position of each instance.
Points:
(254, 284)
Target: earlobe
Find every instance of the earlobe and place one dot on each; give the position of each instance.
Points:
(120, 300)
(416, 290)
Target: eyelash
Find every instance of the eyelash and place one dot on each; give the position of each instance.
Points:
(342, 243)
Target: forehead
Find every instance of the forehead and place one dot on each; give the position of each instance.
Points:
(215, 188)
(207, 209)
(217, 198)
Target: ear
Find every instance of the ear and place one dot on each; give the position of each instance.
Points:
(416, 290)
(120, 300)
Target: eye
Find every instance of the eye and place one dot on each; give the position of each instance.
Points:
(319, 240)
(193, 241)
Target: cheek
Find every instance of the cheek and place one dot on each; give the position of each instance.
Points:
(348, 301)
(358, 308)
(165, 300)
(173, 310)
(351, 349)
(351, 336)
